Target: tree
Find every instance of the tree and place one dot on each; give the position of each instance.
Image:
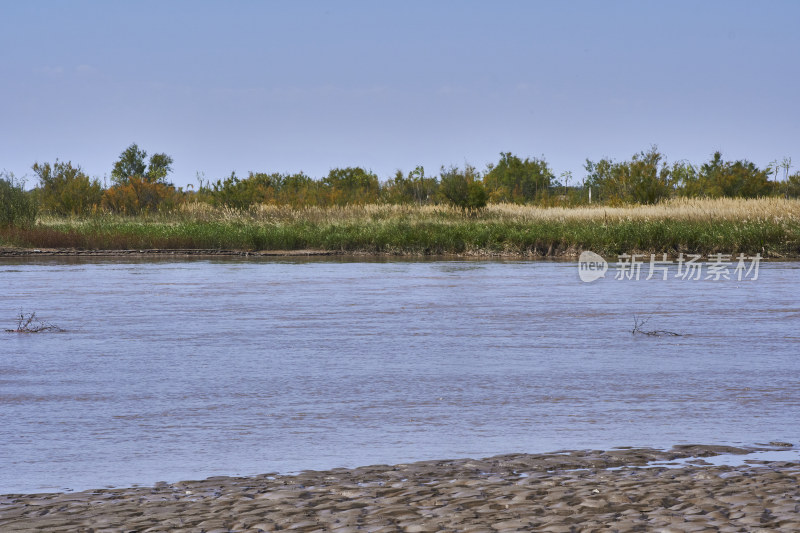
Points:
(139, 186)
(644, 179)
(131, 163)
(733, 178)
(685, 178)
(793, 185)
(138, 195)
(17, 207)
(463, 189)
(256, 188)
(648, 177)
(299, 190)
(415, 188)
(159, 167)
(515, 180)
(65, 190)
(351, 185)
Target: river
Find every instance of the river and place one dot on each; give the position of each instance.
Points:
(185, 369)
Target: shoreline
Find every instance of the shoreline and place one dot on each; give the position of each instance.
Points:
(620, 489)
(166, 252)
(569, 254)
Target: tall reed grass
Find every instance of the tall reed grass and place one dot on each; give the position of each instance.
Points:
(767, 226)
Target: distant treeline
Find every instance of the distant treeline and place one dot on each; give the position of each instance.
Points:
(140, 184)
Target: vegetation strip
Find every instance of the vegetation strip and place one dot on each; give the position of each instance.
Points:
(770, 227)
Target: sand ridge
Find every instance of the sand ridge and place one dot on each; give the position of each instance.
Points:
(558, 492)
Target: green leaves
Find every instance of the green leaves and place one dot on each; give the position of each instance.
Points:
(463, 188)
(733, 179)
(518, 181)
(131, 163)
(17, 207)
(65, 189)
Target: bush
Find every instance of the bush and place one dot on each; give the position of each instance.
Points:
(66, 190)
(463, 189)
(644, 179)
(141, 196)
(733, 179)
(515, 180)
(257, 188)
(414, 189)
(17, 207)
(793, 185)
(351, 185)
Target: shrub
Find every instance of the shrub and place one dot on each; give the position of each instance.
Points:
(463, 189)
(66, 190)
(515, 180)
(351, 185)
(733, 178)
(141, 196)
(257, 188)
(17, 207)
(299, 190)
(417, 188)
(644, 179)
(793, 185)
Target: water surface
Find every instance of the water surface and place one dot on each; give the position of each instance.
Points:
(175, 370)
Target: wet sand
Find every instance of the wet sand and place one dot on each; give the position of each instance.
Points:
(559, 492)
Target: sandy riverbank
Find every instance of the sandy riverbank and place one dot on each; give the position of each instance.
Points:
(559, 492)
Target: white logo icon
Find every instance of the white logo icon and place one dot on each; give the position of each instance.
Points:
(591, 266)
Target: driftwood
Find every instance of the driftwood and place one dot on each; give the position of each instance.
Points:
(27, 323)
(637, 328)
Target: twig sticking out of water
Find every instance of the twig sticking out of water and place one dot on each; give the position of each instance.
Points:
(27, 323)
(637, 328)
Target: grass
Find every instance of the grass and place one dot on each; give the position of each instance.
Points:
(767, 226)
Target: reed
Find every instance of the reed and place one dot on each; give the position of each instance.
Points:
(767, 226)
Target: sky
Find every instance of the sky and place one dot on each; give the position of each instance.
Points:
(290, 86)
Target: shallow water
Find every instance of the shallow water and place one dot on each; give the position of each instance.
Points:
(175, 370)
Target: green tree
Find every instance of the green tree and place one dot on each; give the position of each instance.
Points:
(299, 190)
(602, 178)
(351, 185)
(793, 185)
(256, 188)
(132, 162)
(649, 178)
(414, 188)
(515, 180)
(463, 188)
(65, 190)
(17, 207)
(733, 178)
(643, 179)
(685, 178)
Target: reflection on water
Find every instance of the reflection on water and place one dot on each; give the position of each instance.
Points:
(185, 369)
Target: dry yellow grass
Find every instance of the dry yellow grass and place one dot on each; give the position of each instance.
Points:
(679, 209)
(767, 226)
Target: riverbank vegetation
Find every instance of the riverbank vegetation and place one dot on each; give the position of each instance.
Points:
(768, 226)
(514, 207)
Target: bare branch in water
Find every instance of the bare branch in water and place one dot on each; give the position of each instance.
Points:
(27, 323)
(637, 328)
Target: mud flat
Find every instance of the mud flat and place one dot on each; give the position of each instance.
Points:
(683, 489)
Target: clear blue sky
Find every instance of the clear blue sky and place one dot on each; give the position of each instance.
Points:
(311, 85)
